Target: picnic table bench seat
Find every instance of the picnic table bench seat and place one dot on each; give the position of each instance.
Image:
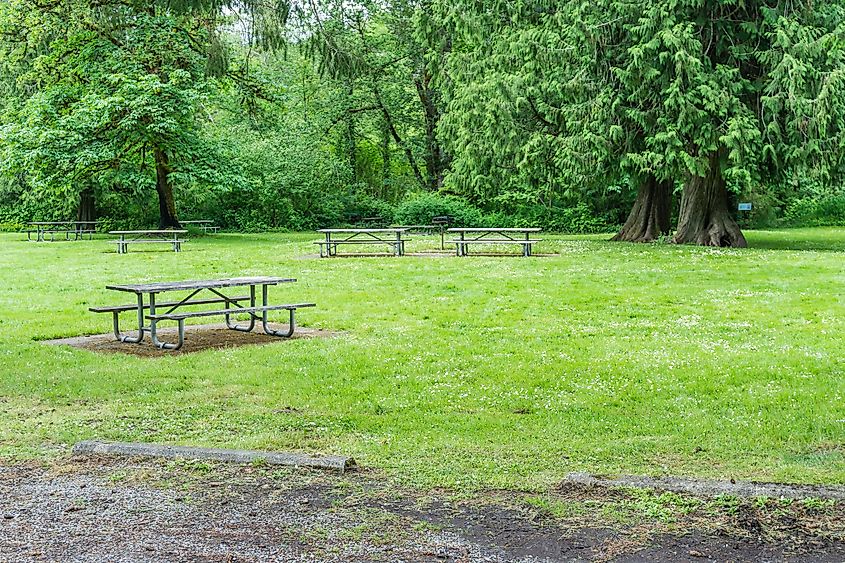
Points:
(230, 311)
(209, 301)
(495, 236)
(525, 243)
(264, 309)
(496, 241)
(149, 240)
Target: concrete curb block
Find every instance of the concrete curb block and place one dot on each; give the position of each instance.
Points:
(94, 447)
(711, 488)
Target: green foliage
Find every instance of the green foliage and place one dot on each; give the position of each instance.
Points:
(301, 115)
(419, 208)
(364, 206)
(823, 210)
(112, 87)
(556, 99)
(579, 218)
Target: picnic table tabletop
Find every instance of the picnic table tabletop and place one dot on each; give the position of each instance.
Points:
(198, 284)
(414, 226)
(379, 230)
(495, 230)
(150, 232)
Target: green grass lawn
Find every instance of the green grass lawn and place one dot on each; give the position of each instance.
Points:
(470, 372)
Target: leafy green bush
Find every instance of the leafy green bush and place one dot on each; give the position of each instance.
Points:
(364, 206)
(580, 218)
(420, 208)
(823, 210)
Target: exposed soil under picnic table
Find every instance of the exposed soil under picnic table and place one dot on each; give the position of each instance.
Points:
(104, 509)
(197, 339)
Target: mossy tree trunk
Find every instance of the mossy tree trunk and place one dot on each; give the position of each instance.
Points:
(166, 203)
(87, 210)
(650, 214)
(705, 218)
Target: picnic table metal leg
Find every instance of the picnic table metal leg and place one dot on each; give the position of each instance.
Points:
(116, 324)
(251, 324)
(267, 329)
(153, 329)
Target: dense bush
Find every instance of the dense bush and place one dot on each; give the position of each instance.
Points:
(580, 218)
(364, 206)
(822, 210)
(420, 208)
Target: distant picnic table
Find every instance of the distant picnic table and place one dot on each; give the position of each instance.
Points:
(174, 310)
(142, 236)
(206, 225)
(391, 237)
(494, 236)
(76, 228)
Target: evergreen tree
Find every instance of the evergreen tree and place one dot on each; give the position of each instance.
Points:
(715, 95)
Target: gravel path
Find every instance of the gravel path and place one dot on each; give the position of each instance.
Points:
(105, 510)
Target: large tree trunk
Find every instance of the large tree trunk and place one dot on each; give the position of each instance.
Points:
(650, 215)
(436, 161)
(86, 211)
(409, 154)
(705, 218)
(166, 204)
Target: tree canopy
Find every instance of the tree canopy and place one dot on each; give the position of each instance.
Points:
(568, 114)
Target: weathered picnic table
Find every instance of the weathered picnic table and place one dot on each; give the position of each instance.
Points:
(496, 236)
(169, 236)
(174, 310)
(206, 225)
(76, 228)
(334, 237)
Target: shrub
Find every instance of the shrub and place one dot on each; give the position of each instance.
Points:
(364, 205)
(420, 208)
(580, 218)
(823, 210)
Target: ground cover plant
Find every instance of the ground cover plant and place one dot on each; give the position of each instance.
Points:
(478, 372)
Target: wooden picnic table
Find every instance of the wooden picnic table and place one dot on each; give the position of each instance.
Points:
(169, 236)
(494, 235)
(389, 236)
(174, 310)
(79, 228)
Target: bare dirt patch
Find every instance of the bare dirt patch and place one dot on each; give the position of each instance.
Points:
(197, 339)
(132, 511)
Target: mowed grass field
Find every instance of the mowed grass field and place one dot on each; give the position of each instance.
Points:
(460, 372)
